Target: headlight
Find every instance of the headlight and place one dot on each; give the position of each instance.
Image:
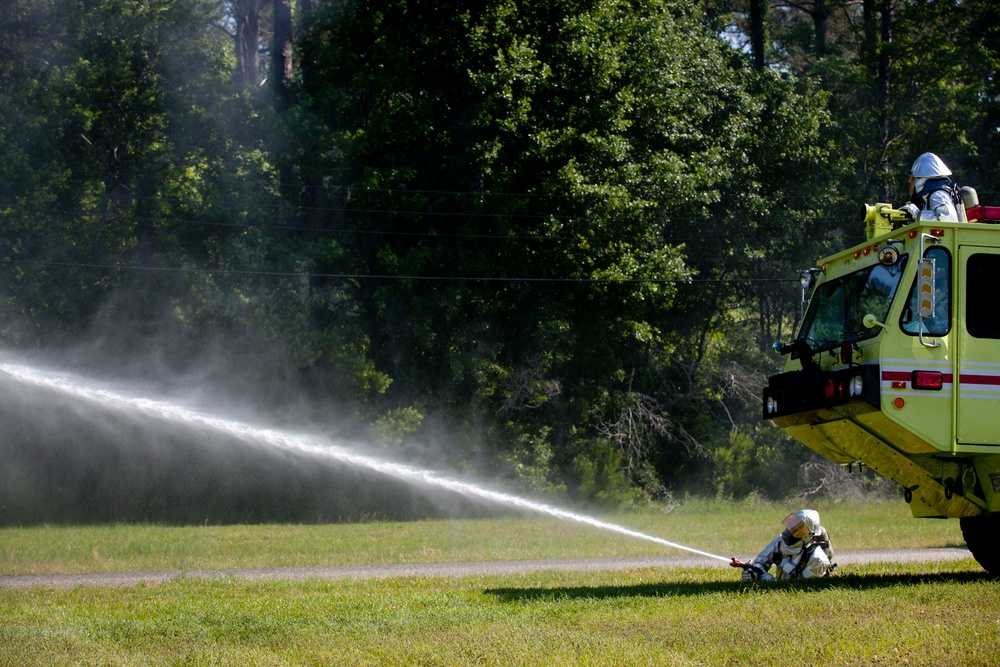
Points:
(888, 255)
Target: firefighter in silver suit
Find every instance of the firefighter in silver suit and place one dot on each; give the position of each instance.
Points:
(801, 551)
(932, 195)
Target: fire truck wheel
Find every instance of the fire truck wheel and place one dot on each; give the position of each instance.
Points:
(982, 534)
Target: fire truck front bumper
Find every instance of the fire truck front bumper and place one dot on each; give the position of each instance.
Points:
(814, 397)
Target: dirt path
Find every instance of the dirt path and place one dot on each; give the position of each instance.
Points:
(497, 568)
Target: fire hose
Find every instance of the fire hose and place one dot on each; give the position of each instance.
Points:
(747, 565)
(758, 571)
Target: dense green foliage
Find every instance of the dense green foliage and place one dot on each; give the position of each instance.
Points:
(550, 240)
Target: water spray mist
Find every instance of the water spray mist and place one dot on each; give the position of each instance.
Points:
(307, 444)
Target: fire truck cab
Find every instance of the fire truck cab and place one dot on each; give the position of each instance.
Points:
(896, 366)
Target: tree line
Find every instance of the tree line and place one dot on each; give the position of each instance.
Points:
(550, 241)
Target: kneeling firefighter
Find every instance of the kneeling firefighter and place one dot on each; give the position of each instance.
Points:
(801, 551)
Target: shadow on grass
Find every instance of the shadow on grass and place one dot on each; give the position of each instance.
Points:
(689, 588)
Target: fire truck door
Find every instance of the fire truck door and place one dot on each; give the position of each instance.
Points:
(977, 387)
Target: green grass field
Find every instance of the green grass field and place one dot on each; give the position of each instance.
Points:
(915, 614)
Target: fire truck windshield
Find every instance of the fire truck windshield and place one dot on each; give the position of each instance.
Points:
(838, 306)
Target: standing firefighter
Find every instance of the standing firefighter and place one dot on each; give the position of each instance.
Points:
(801, 551)
(932, 195)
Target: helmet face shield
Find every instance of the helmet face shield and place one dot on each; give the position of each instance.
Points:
(796, 526)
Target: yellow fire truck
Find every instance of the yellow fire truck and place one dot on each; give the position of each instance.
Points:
(896, 365)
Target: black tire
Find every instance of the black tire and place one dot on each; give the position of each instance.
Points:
(982, 534)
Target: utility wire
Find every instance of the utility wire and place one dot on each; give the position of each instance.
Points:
(471, 236)
(363, 276)
(355, 189)
(420, 213)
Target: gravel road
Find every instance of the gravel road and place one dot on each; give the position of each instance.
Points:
(451, 570)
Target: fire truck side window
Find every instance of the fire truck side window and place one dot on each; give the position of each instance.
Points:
(938, 321)
(982, 316)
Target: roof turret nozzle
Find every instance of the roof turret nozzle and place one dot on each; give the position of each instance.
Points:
(879, 219)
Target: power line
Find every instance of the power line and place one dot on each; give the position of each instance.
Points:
(250, 225)
(362, 276)
(364, 190)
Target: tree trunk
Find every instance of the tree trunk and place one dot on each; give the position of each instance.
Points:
(282, 54)
(758, 33)
(820, 15)
(882, 92)
(870, 44)
(246, 18)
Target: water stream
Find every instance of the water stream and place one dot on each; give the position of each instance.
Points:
(308, 444)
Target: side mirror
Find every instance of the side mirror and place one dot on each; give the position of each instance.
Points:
(870, 322)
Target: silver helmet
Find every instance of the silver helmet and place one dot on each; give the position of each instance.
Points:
(929, 165)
